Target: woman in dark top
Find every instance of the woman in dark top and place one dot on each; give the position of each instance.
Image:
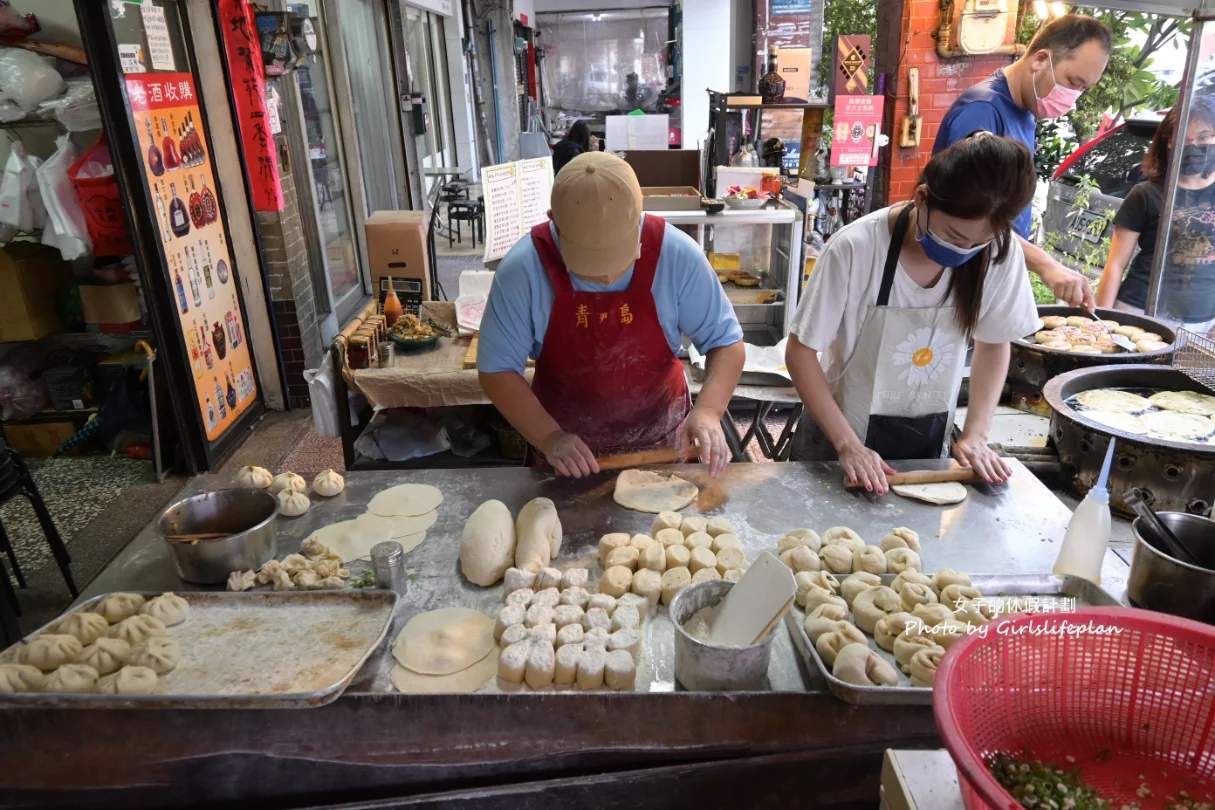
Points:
(1187, 294)
(578, 140)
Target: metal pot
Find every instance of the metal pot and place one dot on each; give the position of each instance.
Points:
(1161, 582)
(248, 516)
(708, 667)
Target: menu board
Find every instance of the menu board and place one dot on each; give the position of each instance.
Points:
(179, 175)
(516, 199)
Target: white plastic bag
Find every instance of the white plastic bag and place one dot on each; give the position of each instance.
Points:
(66, 226)
(321, 383)
(15, 208)
(27, 79)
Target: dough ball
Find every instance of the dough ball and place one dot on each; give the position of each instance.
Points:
(705, 575)
(899, 560)
(829, 644)
(604, 602)
(725, 541)
(678, 555)
(548, 577)
(627, 640)
(571, 634)
(159, 654)
(870, 559)
(665, 520)
(255, 477)
(242, 580)
(574, 578)
(1054, 321)
(641, 541)
(975, 612)
(1145, 346)
(945, 634)
(625, 556)
(861, 666)
(537, 534)
(635, 600)
(328, 483)
(923, 666)
(118, 606)
(799, 537)
(575, 596)
(1058, 345)
(292, 503)
(729, 558)
(105, 655)
(890, 627)
(932, 614)
(288, 481)
(549, 597)
(1126, 330)
(948, 576)
(648, 583)
(701, 558)
(801, 558)
(508, 616)
(902, 537)
(855, 583)
(654, 558)
(911, 642)
(670, 537)
(836, 558)
(805, 581)
(129, 681)
(816, 597)
(691, 525)
(674, 580)
(541, 666)
(698, 540)
(50, 650)
(86, 627)
(512, 662)
(908, 576)
(543, 634)
(516, 579)
(535, 615)
(1078, 320)
(616, 580)
(914, 594)
(733, 574)
(20, 678)
(719, 525)
(952, 596)
(824, 579)
(620, 670)
(440, 642)
(566, 672)
(872, 604)
(168, 607)
(590, 669)
(843, 536)
(824, 619)
(1111, 325)
(625, 617)
(595, 639)
(610, 542)
(71, 679)
(596, 618)
(523, 596)
(1046, 336)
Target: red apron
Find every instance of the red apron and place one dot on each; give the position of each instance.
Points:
(606, 372)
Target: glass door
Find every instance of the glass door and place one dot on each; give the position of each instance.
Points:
(427, 54)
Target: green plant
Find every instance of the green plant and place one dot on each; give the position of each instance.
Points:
(1090, 248)
(840, 18)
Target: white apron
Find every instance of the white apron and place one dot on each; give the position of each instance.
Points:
(899, 389)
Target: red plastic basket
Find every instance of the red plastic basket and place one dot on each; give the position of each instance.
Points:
(1125, 696)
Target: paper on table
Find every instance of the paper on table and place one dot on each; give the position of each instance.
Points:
(470, 303)
(765, 359)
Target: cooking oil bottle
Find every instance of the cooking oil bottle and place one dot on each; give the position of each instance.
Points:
(1088, 532)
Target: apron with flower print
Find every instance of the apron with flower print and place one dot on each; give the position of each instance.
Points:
(899, 389)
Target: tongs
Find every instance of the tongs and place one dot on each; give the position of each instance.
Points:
(1162, 534)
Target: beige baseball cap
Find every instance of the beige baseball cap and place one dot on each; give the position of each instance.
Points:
(596, 204)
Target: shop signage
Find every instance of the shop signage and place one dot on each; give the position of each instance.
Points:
(786, 7)
(516, 199)
(852, 54)
(858, 120)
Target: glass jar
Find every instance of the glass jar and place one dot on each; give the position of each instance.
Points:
(358, 353)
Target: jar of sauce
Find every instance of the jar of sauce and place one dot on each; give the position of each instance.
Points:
(358, 354)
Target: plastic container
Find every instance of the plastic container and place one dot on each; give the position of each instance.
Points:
(102, 203)
(1088, 532)
(1128, 699)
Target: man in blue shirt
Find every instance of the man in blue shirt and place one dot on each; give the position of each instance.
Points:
(601, 298)
(1066, 57)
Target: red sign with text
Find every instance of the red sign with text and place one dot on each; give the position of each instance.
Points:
(858, 120)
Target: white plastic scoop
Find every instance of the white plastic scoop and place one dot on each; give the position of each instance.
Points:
(754, 604)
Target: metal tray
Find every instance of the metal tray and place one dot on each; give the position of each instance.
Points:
(993, 586)
(255, 650)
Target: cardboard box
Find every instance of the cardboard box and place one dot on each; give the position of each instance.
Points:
(396, 246)
(664, 167)
(793, 64)
(31, 278)
(670, 198)
(38, 441)
(110, 303)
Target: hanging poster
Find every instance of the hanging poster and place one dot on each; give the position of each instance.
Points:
(516, 198)
(178, 171)
(852, 52)
(858, 120)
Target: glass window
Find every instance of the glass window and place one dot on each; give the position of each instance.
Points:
(428, 69)
(1113, 161)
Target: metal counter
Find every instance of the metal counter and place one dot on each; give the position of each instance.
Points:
(367, 745)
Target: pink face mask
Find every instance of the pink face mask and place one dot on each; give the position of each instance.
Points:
(1059, 101)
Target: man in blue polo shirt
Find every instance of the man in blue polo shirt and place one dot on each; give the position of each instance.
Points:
(1066, 57)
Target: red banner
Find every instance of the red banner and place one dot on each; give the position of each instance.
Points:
(858, 119)
(244, 54)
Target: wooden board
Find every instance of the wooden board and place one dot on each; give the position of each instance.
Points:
(470, 356)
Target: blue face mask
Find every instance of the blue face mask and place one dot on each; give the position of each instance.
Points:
(942, 252)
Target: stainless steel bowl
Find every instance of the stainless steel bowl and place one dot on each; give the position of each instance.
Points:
(705, 667)
(1160, 582)
(248, 516)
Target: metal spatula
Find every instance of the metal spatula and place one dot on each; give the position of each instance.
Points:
(1121, 341)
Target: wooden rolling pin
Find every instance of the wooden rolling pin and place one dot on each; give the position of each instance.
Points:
(625, 460)
(956, 472)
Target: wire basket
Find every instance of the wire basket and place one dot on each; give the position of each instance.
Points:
(1124, 696)
(1194, 356)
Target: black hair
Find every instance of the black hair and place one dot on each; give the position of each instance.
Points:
(1156, 163)
(580, 133)
(1064, 35)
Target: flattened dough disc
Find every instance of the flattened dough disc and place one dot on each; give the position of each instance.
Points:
(1177, 427)
(444, 641)
(406, 500)
(938, 494)
(1126, 422)
(466, 680)
(652, 492)
(353, 539)
(404, 525)
(1191, 402)
(1111, 399)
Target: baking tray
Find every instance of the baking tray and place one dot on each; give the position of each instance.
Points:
(992, 586)
(255, 650)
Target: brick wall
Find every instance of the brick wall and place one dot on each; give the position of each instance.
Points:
(941, 81)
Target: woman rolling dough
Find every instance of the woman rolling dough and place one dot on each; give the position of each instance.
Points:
(893, 303)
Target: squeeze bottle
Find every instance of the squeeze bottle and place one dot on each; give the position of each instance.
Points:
(1088, 532)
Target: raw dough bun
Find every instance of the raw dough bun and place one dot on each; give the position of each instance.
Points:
(538, 615)
(627, 640)
(669, 537)
(824, 579)
(603, 601)
(677, 556)
(829, 644)
(641, 542)
(665, 520)
(541, 666)
(648, 583)
(673, 581)
(71, 679)
(699, 540)
(625, 617)
(511, 635)
(620, 670)
(575, 578)
(548, 578)
(872, 604)
(1145, 346)
(843, 536)
(948, 576)
(701, 558)
(1053, 321)
(646, 491)
(508, 616)
(654, 558)
(129, 681)
(911, 642)
(729, 558)
(836, 558)
(596, 619)
(616, 580)
(466, 680)
(567, 614)
(523, 597)
(406, 500)
(824, 619)
(576, 595)
(639, 603)
(923, 666)
(626, 556)
(566, 672)
(292, 503)
(799, 537)
(138, 629)
(800, 559)
(20, 678)
(936, 494)
(914, 594)
(538, 534)
(512, 662)
(804, 581)
(733, 574)
(242, 580)
(723, 541)
(975, 612)
(853, 584)
(516, 579)
(168, 607)
(595, 639)
(288, 481)
(328, 483)
(610, 542)
(86, 627)
(543, 634)
(444, 641)
(907, 577)
(590, 668)
(571, 634)
(947, 633)
(1111, 399)
(105, 655)
(255, 477)
(159, 654)
(870, 559)
(952, 596)
(816, 596)
(861, 666)
(705, 574)
(118, 606)
(932, 613)
(691, 525)
(902, 537)
(890, 627)
(899, 560)
(1191, 402)
(719, 525)
(1176, 427)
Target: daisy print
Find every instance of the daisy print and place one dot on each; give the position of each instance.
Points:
(924, 353)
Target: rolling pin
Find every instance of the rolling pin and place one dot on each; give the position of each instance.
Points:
(620, 462)
(956, 472)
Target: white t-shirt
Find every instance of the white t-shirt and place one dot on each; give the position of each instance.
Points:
(848, 275)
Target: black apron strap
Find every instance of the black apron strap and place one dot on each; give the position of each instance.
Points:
(892, 256)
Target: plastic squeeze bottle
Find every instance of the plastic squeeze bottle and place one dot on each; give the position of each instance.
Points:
(392, 305)
(1088, 532)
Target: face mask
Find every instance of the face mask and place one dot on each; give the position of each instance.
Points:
(1059, 101)
(1197, 159)
(942, 252)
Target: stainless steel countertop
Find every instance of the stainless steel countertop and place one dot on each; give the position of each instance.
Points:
(1015, 528)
